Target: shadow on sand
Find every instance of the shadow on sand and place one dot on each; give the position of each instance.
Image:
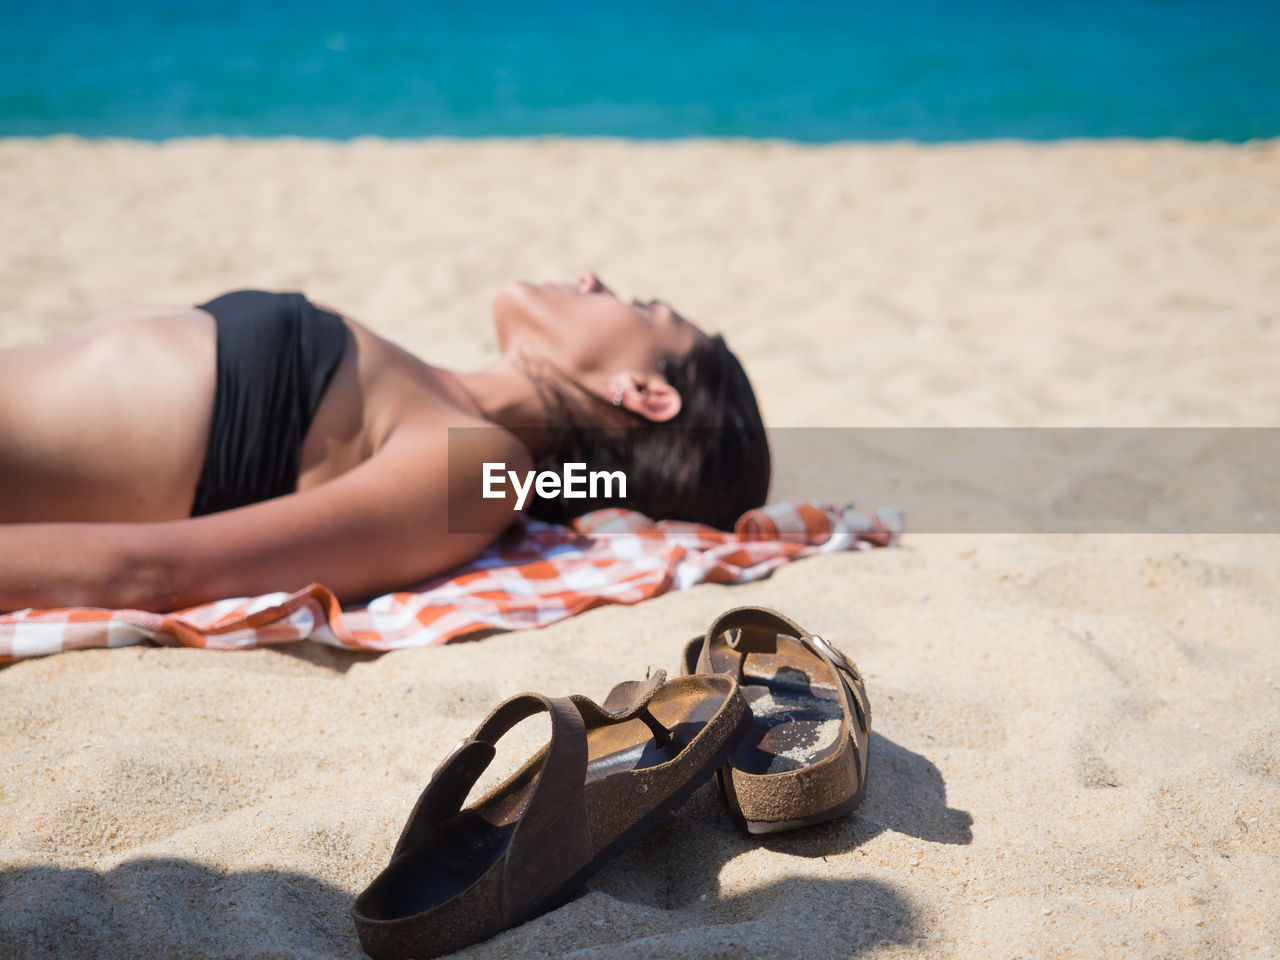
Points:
(786, 917)
(170, 908)
(905, 794)
(164, 908)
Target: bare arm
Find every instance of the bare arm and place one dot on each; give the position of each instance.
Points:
(382, 525)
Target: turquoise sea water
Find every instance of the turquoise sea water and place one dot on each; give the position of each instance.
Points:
(811, 70)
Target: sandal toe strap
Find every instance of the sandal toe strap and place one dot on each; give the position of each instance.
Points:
(627, 701)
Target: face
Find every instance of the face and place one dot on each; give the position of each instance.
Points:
(587, 332)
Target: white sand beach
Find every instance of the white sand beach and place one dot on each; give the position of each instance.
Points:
(1076, 747)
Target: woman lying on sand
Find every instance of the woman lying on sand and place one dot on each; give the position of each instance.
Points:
(161, 457)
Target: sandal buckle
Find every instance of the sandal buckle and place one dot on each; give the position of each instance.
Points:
(836, 656)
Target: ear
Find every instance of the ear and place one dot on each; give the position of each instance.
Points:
(650, 396)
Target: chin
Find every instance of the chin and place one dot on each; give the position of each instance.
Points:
(511, 311)
(509, 291)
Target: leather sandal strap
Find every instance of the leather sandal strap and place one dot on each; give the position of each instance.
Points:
(848, 673)
(554, 817)
(855, 693)
(757, 629)
(631, 696)
(628, 700)
(752, 630)
(446, 791)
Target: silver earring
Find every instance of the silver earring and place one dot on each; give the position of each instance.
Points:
(618, 393)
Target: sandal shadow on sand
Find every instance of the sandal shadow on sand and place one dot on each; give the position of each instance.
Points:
(804, 759)
(460, 875)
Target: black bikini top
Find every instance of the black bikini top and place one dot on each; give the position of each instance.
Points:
(276, 353)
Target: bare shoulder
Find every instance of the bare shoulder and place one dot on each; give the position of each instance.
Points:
(475, 442)
(459, 456)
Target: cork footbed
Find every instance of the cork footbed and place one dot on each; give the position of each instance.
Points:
(796, 717)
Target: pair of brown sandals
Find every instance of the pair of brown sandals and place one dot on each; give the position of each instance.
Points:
(780, 715)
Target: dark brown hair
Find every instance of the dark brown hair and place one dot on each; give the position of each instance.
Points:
(709, 464)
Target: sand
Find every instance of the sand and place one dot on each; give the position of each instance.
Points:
(1077, 737)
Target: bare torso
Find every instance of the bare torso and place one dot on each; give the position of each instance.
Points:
(111, 422)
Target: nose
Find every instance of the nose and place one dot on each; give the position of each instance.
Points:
(588, 282)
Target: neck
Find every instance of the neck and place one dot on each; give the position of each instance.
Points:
(504, 394)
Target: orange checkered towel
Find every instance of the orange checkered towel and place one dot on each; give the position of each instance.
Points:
(536, 574)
